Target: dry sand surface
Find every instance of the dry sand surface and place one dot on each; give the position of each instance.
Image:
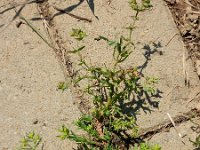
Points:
(30, 70)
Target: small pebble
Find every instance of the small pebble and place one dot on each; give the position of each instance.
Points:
(35, 121)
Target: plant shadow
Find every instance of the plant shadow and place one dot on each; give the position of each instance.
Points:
(72, 7)
(91, 5)
(149, 51)
(68, 9)
(144, 101)
(59, 12)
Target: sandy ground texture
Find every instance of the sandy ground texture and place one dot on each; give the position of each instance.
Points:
(30, 71)
(29, 75)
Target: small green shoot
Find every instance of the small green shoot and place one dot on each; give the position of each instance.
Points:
(78, 34)
(146, 146)
(65, 133)
(121, 48)
(146, 4)
(62, 86)
(30, 142)
(133, 4)
(149, 85)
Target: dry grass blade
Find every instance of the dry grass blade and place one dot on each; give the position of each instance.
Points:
(171, 39)
(184, 68)
(45, 22)
(36, 31)
(173, 123)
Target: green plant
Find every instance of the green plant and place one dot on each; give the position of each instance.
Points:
(30, 142)
(108, 125)
(62, 86)
(146, 4)
(196, 143)
(78, 34)
(121, 48)
(145, 146)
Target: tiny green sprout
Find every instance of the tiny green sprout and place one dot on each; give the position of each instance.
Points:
(64, 132)
(146, 146)
(130, 28)
(146, 4)
(121, 48)
(30, 142)
(78, 34)
(62, 86)
(133, 4)
(149, 85)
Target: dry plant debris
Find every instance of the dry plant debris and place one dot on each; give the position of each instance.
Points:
(186, 14)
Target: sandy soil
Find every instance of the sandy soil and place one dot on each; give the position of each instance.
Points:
(29, 75)
(30, 70)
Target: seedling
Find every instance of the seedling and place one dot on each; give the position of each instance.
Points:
(121, 48)
(145, 146)
(78, 34)
(30, 142)
(149, 85)
(146, 4)
(62, 86)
